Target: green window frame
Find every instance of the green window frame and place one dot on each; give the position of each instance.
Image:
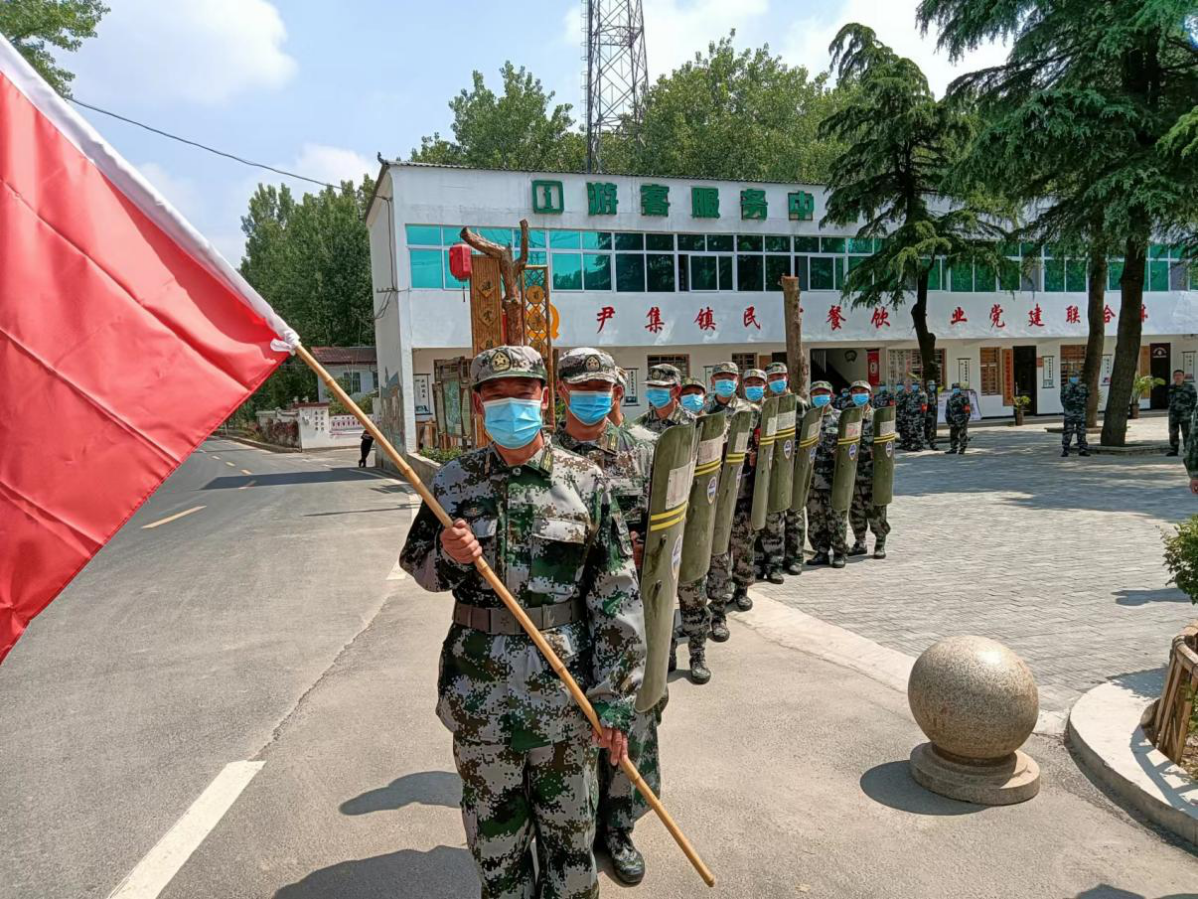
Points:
(426, 269)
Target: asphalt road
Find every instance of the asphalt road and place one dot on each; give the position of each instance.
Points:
(182, 647)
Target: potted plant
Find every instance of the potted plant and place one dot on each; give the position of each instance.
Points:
(1021, 403)
(1141, 387)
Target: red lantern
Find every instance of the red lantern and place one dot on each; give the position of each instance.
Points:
(459, 261)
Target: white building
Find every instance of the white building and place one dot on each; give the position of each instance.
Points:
(687, 270)
(356, 367)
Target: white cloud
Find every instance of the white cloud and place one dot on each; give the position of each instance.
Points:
(332, 164)
(182, 192)
(806, 42)
(199, 51)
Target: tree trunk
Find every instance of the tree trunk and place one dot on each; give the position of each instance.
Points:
(927, 340)
(1096, 341)
(1127, 347)
(792, 316)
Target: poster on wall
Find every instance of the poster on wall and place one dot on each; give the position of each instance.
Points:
(632, 395)
(422, 396)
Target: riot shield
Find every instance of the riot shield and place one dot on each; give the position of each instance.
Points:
(808, 440)
(847, 444)
(782, 477)
(740, 429)
(884, 456)
(669, 491)
(700, 512)
(767, 434)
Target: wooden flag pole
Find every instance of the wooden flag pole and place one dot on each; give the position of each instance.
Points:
(512, 606)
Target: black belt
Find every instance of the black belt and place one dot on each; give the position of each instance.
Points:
(501, 622)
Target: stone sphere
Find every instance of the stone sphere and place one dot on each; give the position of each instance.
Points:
(973, 697)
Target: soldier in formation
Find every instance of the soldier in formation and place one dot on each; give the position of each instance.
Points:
(931, 413)
(1073, 400)
(825, 527)
(1182, 401)
(694, 396)
(843, 400)
(785, 532)
(909, 420)
(546, 521)
(884, 398)
(663, 390)
(863, 513)
(956, 412)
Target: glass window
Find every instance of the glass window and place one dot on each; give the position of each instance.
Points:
(801, 271)
(1179, 275)
(1158, 251)
(567, 271)
(1158, 276)
(777, 243)
(1029, 281)
(450, 280)
(1009, 249)
(692, 243)
(934, 281)
(661, 272)
(565, 240)
(626, 241)
(861, 245)
(990, 374)
(1054, 275)
(775, 268)
(719, 243)
(1054, 251)
(596, 271)
(535, 257)
(426, 268)
(822, 276)
(831, 244)
(659, 242)
(501, 236)
(423, 235)
(1114, 274)
(725, 272)
(1075, 275)
(750, 272)
(450, 236)
(748, 243)
(703, 272)
(1008, 275)
(1176, 252)
(960, 277)
(1029, 251)
(535, 239)
(684, 270)
(596, 240)
(838, 269)
(983, 279)
(630, 272)
(806, 244)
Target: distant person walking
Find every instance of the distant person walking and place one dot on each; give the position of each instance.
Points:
(367, 443)
(1182, 399)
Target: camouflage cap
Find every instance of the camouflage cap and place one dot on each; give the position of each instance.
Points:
(776, 368)
(507, 362)
(664, 376)
(726, 368)
(622, 378)
(693, 382)
(864, 385)
(821, 385)
(587, 364)
(754, 373)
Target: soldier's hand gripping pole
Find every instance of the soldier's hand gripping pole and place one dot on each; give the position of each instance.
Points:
(512, 606)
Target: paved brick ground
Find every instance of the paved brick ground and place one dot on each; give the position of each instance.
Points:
(1059, 558)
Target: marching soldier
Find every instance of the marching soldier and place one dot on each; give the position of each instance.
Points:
(1182, 400)
(785, 532)
(694, 396)
(546, 522)
(1073, 400)
(824, 526)
(931, 412)
(910, 415)
(663, 390)
(863, 513)
(957, 411)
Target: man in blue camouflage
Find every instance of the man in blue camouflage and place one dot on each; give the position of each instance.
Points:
(546, 522)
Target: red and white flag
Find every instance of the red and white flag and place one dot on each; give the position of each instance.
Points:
(125, 339)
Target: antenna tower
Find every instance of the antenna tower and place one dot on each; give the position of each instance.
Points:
(616, 74)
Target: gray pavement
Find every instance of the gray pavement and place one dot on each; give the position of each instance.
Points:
(1059, 558)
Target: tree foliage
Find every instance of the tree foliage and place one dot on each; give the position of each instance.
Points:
(35, 26)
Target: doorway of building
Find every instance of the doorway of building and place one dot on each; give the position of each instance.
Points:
(1025, 375)
(1161, 355)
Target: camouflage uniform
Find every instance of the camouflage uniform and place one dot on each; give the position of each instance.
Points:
(1191, 454)
(932, 398)
(909, 418)
(1073, 400)
(956, 412)
(842, 400)
(553, 534)
(863, 513)
(1182, 400)
(785, 532)
(884, 398)
(825, 527)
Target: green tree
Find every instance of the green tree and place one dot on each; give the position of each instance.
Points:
(900, 145)
(520, 129)
(1102, 88)
(34, 26)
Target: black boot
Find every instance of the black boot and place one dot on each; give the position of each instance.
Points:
(838, 561)
(673, 666)
(775, 576)
(700, 673)
(820, 558)
(858, 549)
(719, 631)
(742, 600)
(1083, 452)
(951, 450)
(961, 451)
(794, 566)
(626, 860)
(879, 549)
(1171, 452)
(1065, 452)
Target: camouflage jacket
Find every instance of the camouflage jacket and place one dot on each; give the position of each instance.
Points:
(652, 422)
(956, 410)
(931, 398)
(1182, 400)
(883, 400)
(1073, 399)
(553, 534)
(912, 404)
(626, 460)
(825, 451)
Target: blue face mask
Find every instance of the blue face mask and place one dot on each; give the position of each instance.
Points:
(692, 402)
(1073, 380)
(589, 407)
(860, 399)
(725, 387)
(658, 397)
(956, 390)
(754, 394)
(512, 423)
(820, 400)
(779, 387)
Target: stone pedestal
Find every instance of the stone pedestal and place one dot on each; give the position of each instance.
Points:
(977, 702)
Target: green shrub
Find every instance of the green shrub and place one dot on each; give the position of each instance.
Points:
(1181, 557)
(442, 456)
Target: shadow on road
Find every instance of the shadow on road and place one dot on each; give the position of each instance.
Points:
(441, 873)
(425, 788)
(1106, 891)
(288, 478)
(1143, 597)
(891, 784)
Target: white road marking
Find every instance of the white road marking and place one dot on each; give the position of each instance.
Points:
(214, 456)
(243, 471)
(163, 862)
(230, 464)
(247, 484)
(167, 520)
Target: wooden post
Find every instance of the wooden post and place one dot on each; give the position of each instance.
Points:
(510, 270)
(512, 606)
(792, 315)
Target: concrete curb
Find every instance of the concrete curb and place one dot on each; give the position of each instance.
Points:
(1104, 730)
(258, 444)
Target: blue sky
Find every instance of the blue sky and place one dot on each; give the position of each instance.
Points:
(320, 88)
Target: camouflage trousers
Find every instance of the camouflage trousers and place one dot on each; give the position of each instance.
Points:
(958, 435)
(734, 566)
(620, 803)
(910, 431)
(825, 527)
(929, 428)
(1179, 430)
(1074, 425)
(696, 617)
(864, 514)
(783, 538)
(508, 795)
